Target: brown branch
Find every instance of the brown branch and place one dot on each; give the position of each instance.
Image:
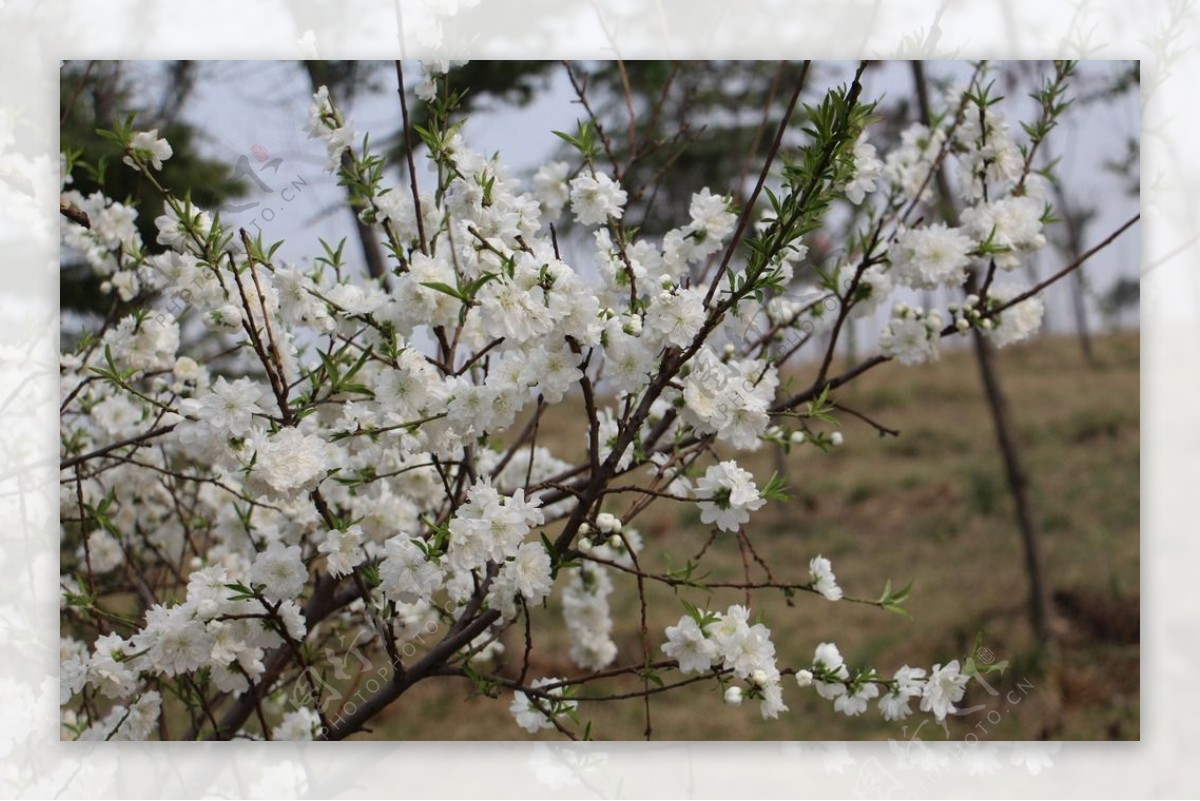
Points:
(408, 152)
(1065, 271)
(758, 132)
(74, 213)
(748, 209)
(136, 440)
(883, 430)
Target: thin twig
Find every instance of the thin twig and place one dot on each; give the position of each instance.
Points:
(408, 153)
(135, 440)
(748, 209)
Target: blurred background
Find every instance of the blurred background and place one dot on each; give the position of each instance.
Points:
(934, 505)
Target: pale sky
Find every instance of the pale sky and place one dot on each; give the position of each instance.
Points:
(241, 105)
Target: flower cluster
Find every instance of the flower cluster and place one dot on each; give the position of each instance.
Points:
(1000, 318)
(596, 198)
(325, 123)
(711, 224)
(1017, 322)
(729, 399)
(1012, 225)
(867, 171)
(912, 335)
(110, 241)
(586, 613)
(224, 631)
(539, 711)
(728, 640)
(285, 469)
(851, 692)
(932, 256)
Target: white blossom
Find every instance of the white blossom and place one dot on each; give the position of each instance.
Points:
(1012, 223)
(281, 570)
(675, 318)
(73, 667)
(909, 683)
(103, 552)
(944, 688)
(867, 170)
(911, 336)
(147, 146)
(109, 671)
(550, 187)
(855, 702)
(174, 641)
(595, 199)
(726, 495)
(823, 580)
(1018, 322)
(406, 573)
(930, 256)
(290, 462)
(343, 549)
(688, 645)
(299, 724)
(539, 712)
(587, 616)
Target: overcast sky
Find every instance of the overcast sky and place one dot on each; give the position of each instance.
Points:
(258, 110)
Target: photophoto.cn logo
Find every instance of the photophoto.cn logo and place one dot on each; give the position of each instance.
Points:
(265, 209)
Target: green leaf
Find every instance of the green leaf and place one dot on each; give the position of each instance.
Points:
(242, 593)
(892, 601)
(445, 289)
(902, 594)
(776, 489)
(330, 367)
(651, 676)
(566, 137)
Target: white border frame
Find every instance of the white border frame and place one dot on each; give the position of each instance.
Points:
(34, 35)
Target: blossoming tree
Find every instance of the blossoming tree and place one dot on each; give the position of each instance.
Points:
(340, 482)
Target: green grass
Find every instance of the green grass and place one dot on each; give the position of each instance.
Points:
(931, 506)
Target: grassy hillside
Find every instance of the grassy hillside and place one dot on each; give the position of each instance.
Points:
(929, 506)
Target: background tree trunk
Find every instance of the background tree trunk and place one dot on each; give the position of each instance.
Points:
(1018, 485)
(318, 75)
(1018, 480)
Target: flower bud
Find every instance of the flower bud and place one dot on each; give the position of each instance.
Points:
(186, 369)
(608, 523)
(804, 678)
(733, 696)
(798, 437)
(835, 438)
